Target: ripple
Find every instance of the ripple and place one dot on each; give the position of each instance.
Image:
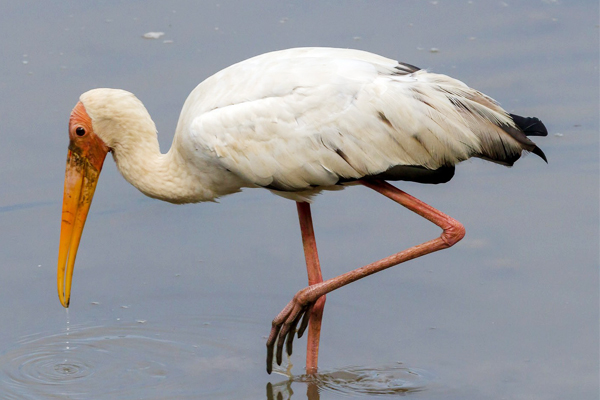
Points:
(394, 379)
(44, 367)
(390, 380)
(122, 362)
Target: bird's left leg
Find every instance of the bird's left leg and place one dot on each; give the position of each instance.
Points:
(285, 323)
(314, 315)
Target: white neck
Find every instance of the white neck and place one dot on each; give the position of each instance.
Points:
(179, 176)
(161, 176)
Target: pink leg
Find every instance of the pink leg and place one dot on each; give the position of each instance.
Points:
(313, 269)
(286, 321)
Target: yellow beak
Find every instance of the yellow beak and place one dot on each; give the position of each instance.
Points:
(81, 178)
(84, 163)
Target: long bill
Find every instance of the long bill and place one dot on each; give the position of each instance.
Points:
(81, 177)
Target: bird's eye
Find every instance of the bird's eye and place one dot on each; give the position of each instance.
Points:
(80, 131)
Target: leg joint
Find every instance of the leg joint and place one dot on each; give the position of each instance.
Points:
(453, 233)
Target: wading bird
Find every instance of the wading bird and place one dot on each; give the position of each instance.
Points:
(295, 122)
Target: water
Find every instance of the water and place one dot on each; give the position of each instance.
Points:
(124, 359)
(175, 302)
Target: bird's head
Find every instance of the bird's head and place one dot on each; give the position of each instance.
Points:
(103, 120)
(85, 157)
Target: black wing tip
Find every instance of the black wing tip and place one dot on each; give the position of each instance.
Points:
(531, 126)
(406, 68)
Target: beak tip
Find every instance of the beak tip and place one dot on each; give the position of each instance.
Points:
(65, 303)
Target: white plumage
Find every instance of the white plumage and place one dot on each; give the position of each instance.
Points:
(296, 122)
(301, 120)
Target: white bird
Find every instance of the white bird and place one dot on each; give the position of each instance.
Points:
(296, 122)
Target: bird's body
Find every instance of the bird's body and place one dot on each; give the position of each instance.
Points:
(301, 120)
(296, 122)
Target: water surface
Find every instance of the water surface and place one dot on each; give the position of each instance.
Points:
(175, 302)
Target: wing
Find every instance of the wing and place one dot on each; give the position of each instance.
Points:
(305, 118)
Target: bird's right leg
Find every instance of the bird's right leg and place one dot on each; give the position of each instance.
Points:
(299, 308)
(313, 269)
(314, 315)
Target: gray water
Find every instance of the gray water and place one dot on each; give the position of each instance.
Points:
(175, 302)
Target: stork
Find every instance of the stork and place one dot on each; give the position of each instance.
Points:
(295, 122)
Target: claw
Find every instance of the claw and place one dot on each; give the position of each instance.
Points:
(270, 344)
(269, 360)
(286, 331)
(305, 319)
(275, 328)
(292, 333)
(283, 329)
(279, 354)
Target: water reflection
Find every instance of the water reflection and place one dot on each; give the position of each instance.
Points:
(390, 380)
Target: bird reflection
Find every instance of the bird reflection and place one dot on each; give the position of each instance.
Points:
(283, 391)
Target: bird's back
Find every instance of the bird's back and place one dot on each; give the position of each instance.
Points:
(307, 118)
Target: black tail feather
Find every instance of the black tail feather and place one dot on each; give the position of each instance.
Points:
(531, 126)
(536, 150)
